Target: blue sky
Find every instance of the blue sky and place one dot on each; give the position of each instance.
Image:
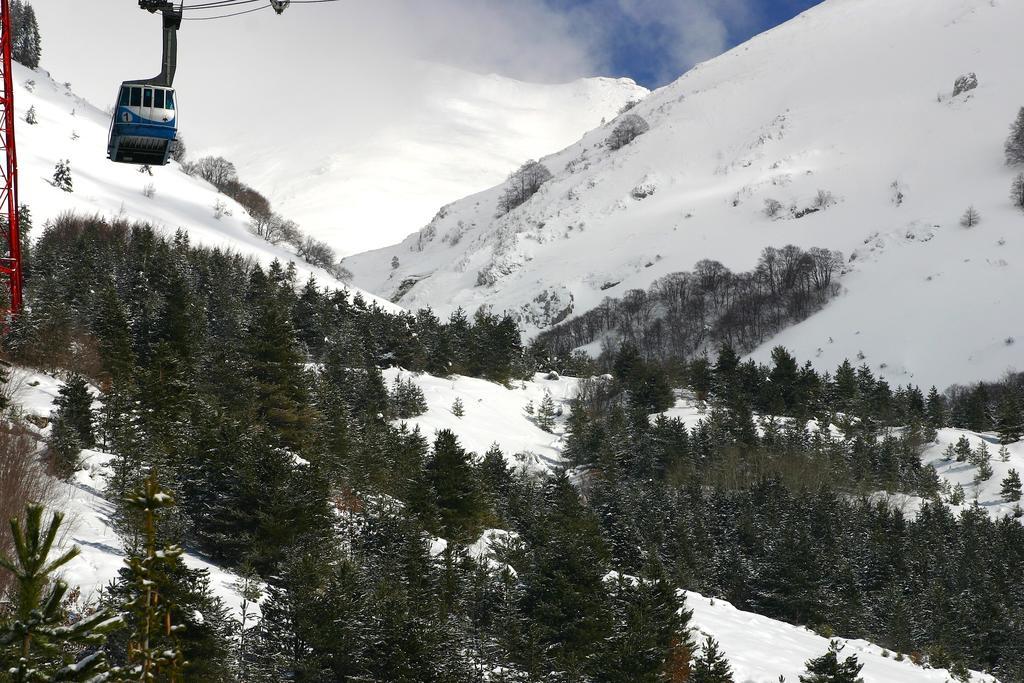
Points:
(654, 41)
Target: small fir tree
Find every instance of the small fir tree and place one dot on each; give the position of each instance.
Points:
(980, 455)
(153, 650)
(984, 473)
(34, 646)
(546, 413)
(711, 666)
(74, 407)
(458, 408)
(958, 496)
(30, 116)
(963, 449)
(62, 176)
(1011, 487)
(828, 668)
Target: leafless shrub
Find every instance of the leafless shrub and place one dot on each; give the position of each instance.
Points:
(629, 128)
(1017, 191)
(23, 480)
(970, 218)
(523, 184)
(824, 199)
(772, 207)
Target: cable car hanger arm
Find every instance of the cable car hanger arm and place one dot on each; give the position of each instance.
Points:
(169, 61)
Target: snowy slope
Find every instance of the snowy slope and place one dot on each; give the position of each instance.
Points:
(460, 133)
(494, 415)
(762, 649)
(849, 97)
(70, 128)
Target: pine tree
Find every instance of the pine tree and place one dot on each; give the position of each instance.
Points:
(1015, 143)
(458, 408)
(1010, 423)
(828, 668)
(248, 588)
(711, 666)
(963, 449)
(62, 176)
(74, 408)
(64, 449)
(980, 455)
(407, 398)
(649, 631)
(984, 472)
(30, 116)
(958, 495)
(34, 645)
(546, 413)
(935, 409)
(26, 44)
(1011, 487)
(276, 365)
(154, 651)
(457, 490)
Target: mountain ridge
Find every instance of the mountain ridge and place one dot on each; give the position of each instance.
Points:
(695, 187)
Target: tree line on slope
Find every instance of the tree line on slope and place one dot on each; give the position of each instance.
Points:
(683, 313)
(261, 405)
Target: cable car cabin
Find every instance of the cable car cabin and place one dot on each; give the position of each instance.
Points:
(145, 125)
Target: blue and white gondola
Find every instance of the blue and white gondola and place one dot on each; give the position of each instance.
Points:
(144, 127)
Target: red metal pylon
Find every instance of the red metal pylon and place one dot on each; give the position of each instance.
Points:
(10, 256)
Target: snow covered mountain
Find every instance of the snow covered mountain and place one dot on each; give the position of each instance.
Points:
(69, 128)
(853, 98)
(460, 133)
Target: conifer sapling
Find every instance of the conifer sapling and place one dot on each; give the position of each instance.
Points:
(1011, 487)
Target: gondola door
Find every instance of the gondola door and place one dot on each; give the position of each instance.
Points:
(147, 105)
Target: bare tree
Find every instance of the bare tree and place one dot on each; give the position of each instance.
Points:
(824, 199)
(217, 171)
(178, 150)
(1015, 143)
(23, 480)
(970, 218)
(629, 128)
(772, 207)
(316, 252)
(523, 184)
(275, 228)
(1017, 191)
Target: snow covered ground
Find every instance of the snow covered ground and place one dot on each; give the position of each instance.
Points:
(69, 128)
(762, 649)
(853, 97)
(494, 414)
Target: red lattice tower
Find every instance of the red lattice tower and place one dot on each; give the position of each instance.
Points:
(10, 262)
